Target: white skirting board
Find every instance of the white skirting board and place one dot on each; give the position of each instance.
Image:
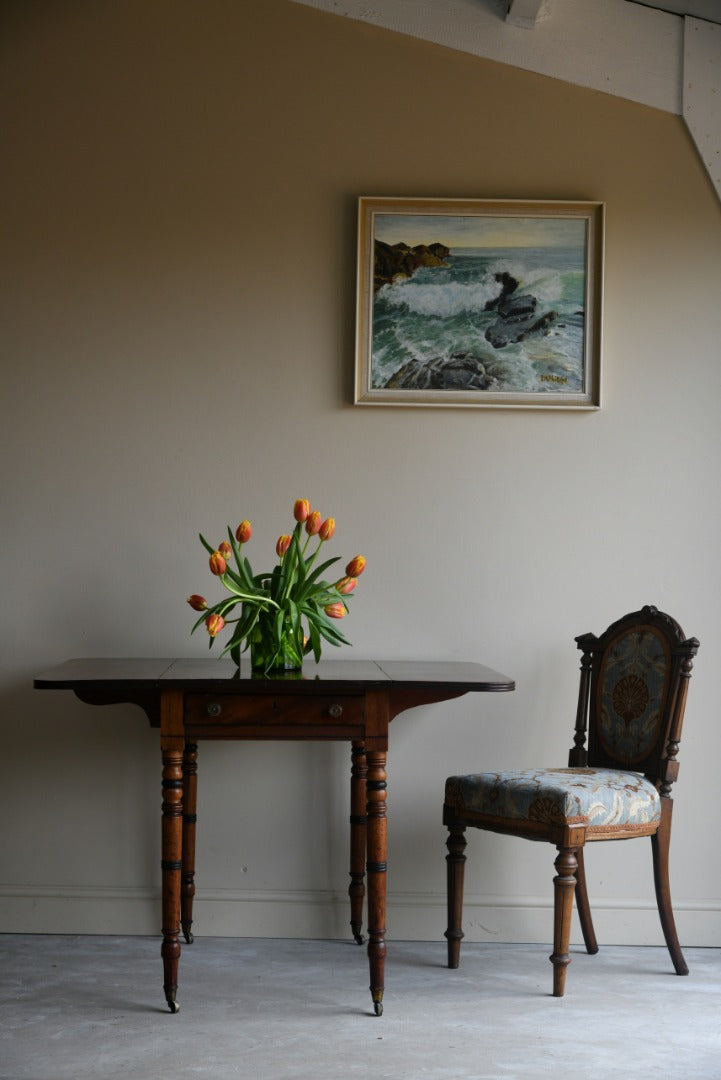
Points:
(324, 914)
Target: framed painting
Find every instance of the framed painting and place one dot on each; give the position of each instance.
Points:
(479, 302)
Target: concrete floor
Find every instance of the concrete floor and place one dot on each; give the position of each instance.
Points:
(92, 1008)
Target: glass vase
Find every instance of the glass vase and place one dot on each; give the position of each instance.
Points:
(274, 650)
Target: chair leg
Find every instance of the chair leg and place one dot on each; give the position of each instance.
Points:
(583, 907)
(455, 865)
(564, 886)
(660, 843)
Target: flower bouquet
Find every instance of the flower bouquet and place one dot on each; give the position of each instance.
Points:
(288, 612)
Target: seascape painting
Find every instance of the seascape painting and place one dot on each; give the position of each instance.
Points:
(475, 303)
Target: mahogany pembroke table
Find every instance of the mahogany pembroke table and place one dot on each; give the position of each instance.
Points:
(353, 700)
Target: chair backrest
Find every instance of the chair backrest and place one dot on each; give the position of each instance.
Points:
(634, 679)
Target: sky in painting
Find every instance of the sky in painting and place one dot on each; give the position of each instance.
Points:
(493, 231)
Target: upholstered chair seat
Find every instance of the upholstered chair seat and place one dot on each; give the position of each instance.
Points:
(605, 799)
(631, 702)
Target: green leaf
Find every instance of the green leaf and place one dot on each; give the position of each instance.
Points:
(226, 605)
(238, 590)
(244, 627)
(314, 636)
(333, 636)
(294, 614)
(206, 545)
(325, 626)
(248, 621)
(312, 587)
(320, 569)
(235, 578)
(328, 629)
(275, 583)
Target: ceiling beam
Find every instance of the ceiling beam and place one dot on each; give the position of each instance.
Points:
(525, 12)
(702, 92)
(697, 9)
(613, 46)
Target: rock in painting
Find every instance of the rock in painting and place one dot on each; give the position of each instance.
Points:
(394, 261)
(463, 371)
(518, 328)
(508, 285)
(519, 315)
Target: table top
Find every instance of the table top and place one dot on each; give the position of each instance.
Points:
(156, 674)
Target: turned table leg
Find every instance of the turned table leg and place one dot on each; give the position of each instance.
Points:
(171, 746)
(171, 863)
(187, 876)
(358, 822)
(376, 866)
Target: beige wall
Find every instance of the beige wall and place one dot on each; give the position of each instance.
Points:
(179, 186)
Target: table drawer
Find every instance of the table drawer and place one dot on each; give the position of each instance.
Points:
(222, 711)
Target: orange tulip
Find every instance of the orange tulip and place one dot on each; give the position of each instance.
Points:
(244, 532)
(217, 564)
(301, 510)
(327, 529)
(346, 585)
(214, 624)
(356, 566)
(282, 546)
(225, 550)
(197, 602)
(336, 611)
(312, 525)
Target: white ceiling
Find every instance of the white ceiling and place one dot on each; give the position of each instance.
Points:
(662, 53)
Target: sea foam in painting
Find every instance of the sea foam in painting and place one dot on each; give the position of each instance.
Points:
(507, 298)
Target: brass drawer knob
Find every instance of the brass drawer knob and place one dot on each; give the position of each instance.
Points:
(213, 709)
(336, 711)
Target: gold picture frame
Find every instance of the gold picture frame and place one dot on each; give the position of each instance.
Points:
(479, 303)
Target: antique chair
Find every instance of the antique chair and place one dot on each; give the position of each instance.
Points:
(634, 680)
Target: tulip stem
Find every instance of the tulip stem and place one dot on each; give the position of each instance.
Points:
(311, 560)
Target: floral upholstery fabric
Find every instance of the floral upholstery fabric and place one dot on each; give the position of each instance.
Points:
(594, 797)
(631, 691)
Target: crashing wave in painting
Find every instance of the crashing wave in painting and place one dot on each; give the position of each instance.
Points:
(511, 319)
